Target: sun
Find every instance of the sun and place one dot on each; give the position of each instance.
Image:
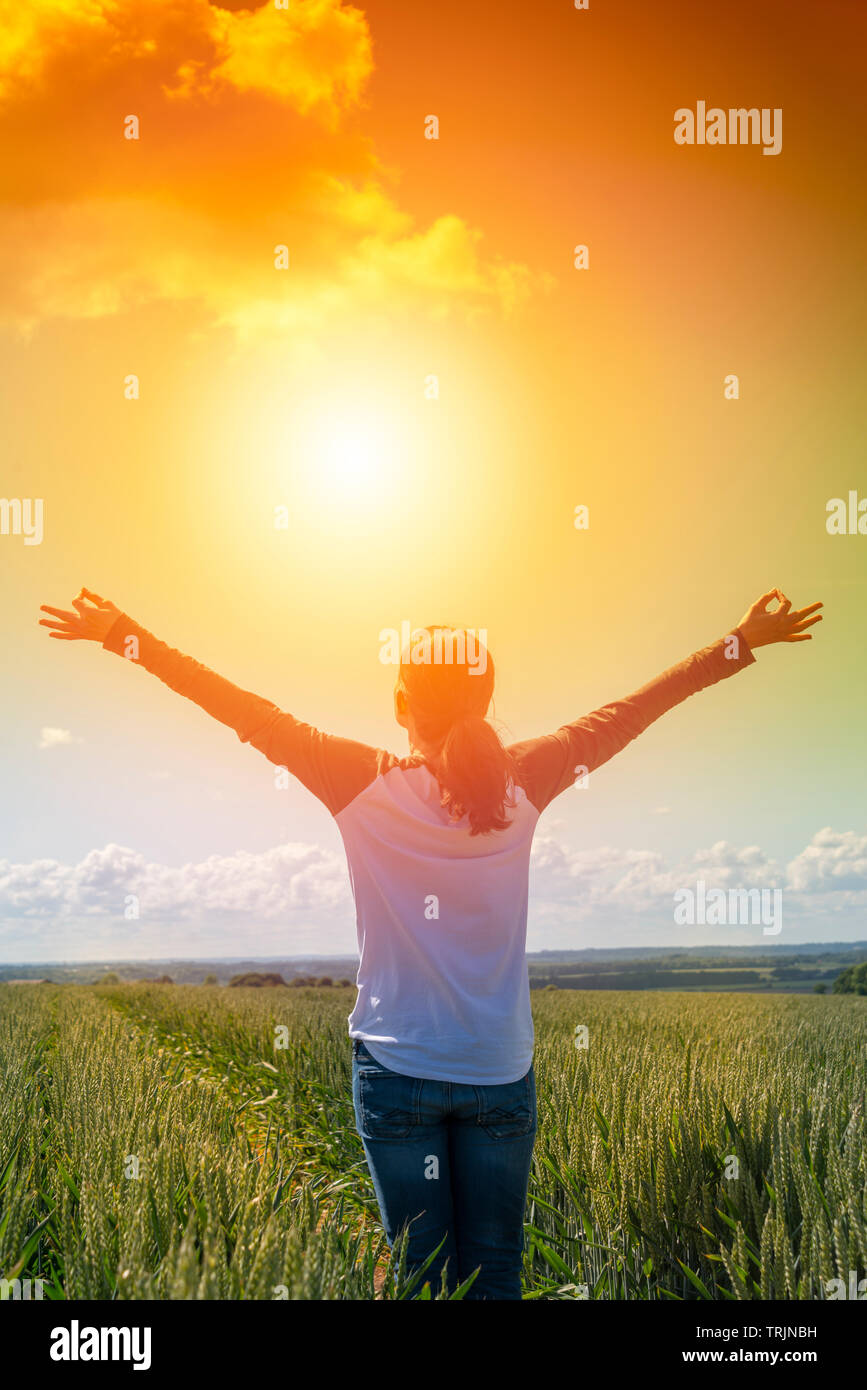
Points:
(353, 453)
(345, 451)
(342, 456)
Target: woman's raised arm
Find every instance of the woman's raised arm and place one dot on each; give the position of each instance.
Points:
(334, 769)
(554, 762)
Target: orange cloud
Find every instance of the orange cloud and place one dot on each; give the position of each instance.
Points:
(312, 54)
(247, 141)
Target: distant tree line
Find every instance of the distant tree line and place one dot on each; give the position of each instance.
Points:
(852, 981)
(111, 978)
(650, 979)
(254, 979)
(258, 980)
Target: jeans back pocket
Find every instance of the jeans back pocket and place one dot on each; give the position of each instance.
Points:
(508, 1112)
(386, 1103)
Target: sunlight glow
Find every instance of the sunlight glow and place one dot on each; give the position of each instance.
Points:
(345, 450)
(352, 452)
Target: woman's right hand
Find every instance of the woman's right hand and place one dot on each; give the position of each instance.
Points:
(90, 622)
(784, 624)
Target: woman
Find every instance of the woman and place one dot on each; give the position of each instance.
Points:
(438, 846)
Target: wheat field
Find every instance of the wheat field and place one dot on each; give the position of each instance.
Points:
(189, 1142)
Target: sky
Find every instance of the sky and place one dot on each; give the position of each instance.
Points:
(282, 297)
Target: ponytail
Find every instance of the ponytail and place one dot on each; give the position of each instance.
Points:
(449, 700)
(475, 775)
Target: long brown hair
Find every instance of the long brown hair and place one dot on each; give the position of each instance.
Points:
(448, 700)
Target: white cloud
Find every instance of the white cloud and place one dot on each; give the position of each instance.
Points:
(266, 885)
(297, 896)
(833, 861)
(829, 876)
(53, 738)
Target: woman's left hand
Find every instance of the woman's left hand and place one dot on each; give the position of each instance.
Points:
(90, 622)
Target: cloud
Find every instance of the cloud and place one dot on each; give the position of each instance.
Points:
(53, 738)
(249, 138)
(834, 861)
(280, 883)
(314, 55)
(829, 876)
(268, 885)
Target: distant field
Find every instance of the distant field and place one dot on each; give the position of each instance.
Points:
(712, 980)
(155, 1143)
(801, 977)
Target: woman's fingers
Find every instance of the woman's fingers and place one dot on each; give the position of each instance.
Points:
(764, 625)
(59, 613)
(60, 627)
(89, 620)
(761, 603)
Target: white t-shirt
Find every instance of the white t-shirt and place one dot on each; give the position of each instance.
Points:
(442, 928)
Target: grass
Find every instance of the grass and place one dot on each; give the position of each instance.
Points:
(192, 1142)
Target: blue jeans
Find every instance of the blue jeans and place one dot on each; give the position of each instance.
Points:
(449, 1160)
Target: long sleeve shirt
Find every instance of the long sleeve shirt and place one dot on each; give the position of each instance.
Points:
(441, 914)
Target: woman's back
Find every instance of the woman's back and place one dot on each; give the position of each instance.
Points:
(442, 923)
